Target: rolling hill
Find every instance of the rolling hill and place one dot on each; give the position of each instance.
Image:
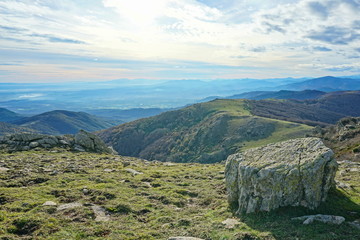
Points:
(64, 122)
(209, 132)
(9, 116)
(204, 132)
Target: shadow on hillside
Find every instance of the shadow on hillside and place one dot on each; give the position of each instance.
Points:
(280, 226)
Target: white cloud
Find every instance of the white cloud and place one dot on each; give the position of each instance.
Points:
(281, 34)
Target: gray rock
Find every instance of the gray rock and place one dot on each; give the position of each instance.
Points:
(68, 206)
(133, 172)
(321, 218)
(100, 214)
(355, 224)
(49, 203)
(230, 223)
(91, 142)
(34, 144)
(4, 169)
(297, 172)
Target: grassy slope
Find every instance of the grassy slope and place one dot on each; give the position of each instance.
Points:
(185, 199)
(204, 132)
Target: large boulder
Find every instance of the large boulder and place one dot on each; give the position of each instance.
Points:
(297, 172)
(90, 142)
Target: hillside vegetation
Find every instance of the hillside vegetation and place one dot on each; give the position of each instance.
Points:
(324, 111)
(96, 196)
(204, 132)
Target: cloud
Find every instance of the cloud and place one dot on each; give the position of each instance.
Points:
(319, 9)
(147, 35)
(55, 39)
(334, 35)
(322, 49)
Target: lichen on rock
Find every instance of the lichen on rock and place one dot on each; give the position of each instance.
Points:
(297, 172)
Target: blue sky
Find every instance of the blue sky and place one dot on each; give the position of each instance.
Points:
(98, 40)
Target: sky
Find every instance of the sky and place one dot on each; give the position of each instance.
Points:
(100, 40)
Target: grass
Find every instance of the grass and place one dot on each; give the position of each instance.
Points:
(166, 200)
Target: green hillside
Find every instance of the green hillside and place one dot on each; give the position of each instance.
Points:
(204, 132)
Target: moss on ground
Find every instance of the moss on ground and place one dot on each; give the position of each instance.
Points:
(166, 200)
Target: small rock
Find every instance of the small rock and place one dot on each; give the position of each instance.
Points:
(321, 218)
(108, 170)
(4, 169)
(34, 144)
(49, 203)
(230, 223)
(68, 205)
(184, 238)
(169, 164)
(133, 172)
(100, 214)
(85, 191)
(147, 184)
(125, 164)
(342, 185)
(355, 224)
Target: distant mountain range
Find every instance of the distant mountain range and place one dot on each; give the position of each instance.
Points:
(208, 132)
(327, 84)
(56, 123)
(282, 94)
(126, 94)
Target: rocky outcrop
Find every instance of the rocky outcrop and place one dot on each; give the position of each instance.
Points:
(82, 141)
(297, 172)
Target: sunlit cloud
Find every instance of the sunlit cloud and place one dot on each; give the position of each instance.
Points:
(271, 38)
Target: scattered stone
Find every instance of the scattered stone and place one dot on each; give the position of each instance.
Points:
(4, 169)
(49, 203)
(297, 172)
(147, 184)
(68, 205)
(169, 164)
(85, 191)
(355, 224)
(230, 223)
(100, 214)
(184, 238)
(34, 144)
(321, 218)
(342, 185)
(125, 164)
(133, 172)
(108, 170)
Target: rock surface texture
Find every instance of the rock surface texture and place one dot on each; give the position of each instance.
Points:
(82, 141)
(297, 172)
